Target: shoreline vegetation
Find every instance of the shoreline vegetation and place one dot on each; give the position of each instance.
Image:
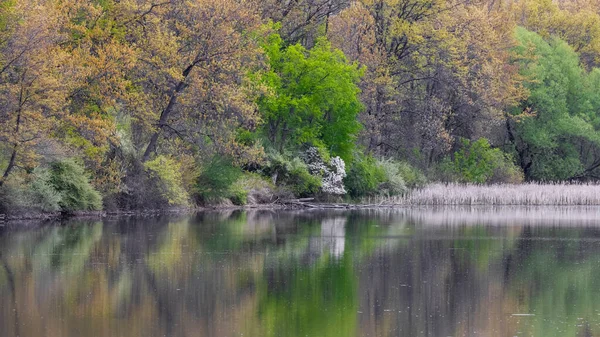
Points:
(122, 107)
(438, 196)
(528, 194)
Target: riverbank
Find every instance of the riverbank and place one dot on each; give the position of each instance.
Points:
(288, 204)
(431, 195)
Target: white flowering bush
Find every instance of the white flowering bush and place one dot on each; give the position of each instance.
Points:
(332, 174)
(333, 179)
(314, 161)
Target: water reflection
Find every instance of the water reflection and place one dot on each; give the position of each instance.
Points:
(413, 272)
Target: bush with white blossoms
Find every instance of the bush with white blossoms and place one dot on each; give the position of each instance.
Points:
(333, 179)
(332, 174)
(314, 161)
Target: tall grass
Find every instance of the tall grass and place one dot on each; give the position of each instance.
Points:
(531, 194)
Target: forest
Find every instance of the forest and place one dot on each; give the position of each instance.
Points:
(149, 104)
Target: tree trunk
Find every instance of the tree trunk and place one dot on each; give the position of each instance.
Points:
(13, 155)
(524, 162)
(11, 165)
(164, 116)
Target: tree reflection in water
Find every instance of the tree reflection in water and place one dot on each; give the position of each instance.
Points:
(411, 272)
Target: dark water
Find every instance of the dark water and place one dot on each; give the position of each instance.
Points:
(502, 272)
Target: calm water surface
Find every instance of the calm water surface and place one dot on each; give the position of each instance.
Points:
(417, 272)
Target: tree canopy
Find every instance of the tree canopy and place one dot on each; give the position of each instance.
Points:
(311, 97)
(146, 95)
(558, 139)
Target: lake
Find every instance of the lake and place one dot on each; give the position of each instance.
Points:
(405, 272)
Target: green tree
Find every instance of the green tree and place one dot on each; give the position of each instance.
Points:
(312, 97)
(557, 140)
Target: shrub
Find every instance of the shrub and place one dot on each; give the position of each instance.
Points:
(238, 195)
(369, 177)
(277, 164)
(478, 162)
(394, 183)
(64, 186)
(364, 176)
(259, 189)
(445, 171)
(333, 179)
(412, 176)
(301, 182)
(167, 172)
(292, 173)
(475, 160)
(216, 181)
(11, 194)
(505, 171)
(69, 178)
(31, 192)
(42, 193)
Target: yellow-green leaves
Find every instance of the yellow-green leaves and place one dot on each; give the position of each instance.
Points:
(168, 171)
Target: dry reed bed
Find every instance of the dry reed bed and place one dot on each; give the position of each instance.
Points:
(503, 194)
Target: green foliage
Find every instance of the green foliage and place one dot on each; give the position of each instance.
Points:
(32, 192)
(238, 195)
(445, 171)
(369, 177)
(42, 193)
(168, 173)
(69, 179)
(413, 178)
(394, 183)
(259, 189)
(195, 89)
(301, 181)
(477, 162)
(505, 170)
(364, 176)
(292, 173)
(555, 140)
(64, 186)
(312, 97)
(6, 7)
(216, 181)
